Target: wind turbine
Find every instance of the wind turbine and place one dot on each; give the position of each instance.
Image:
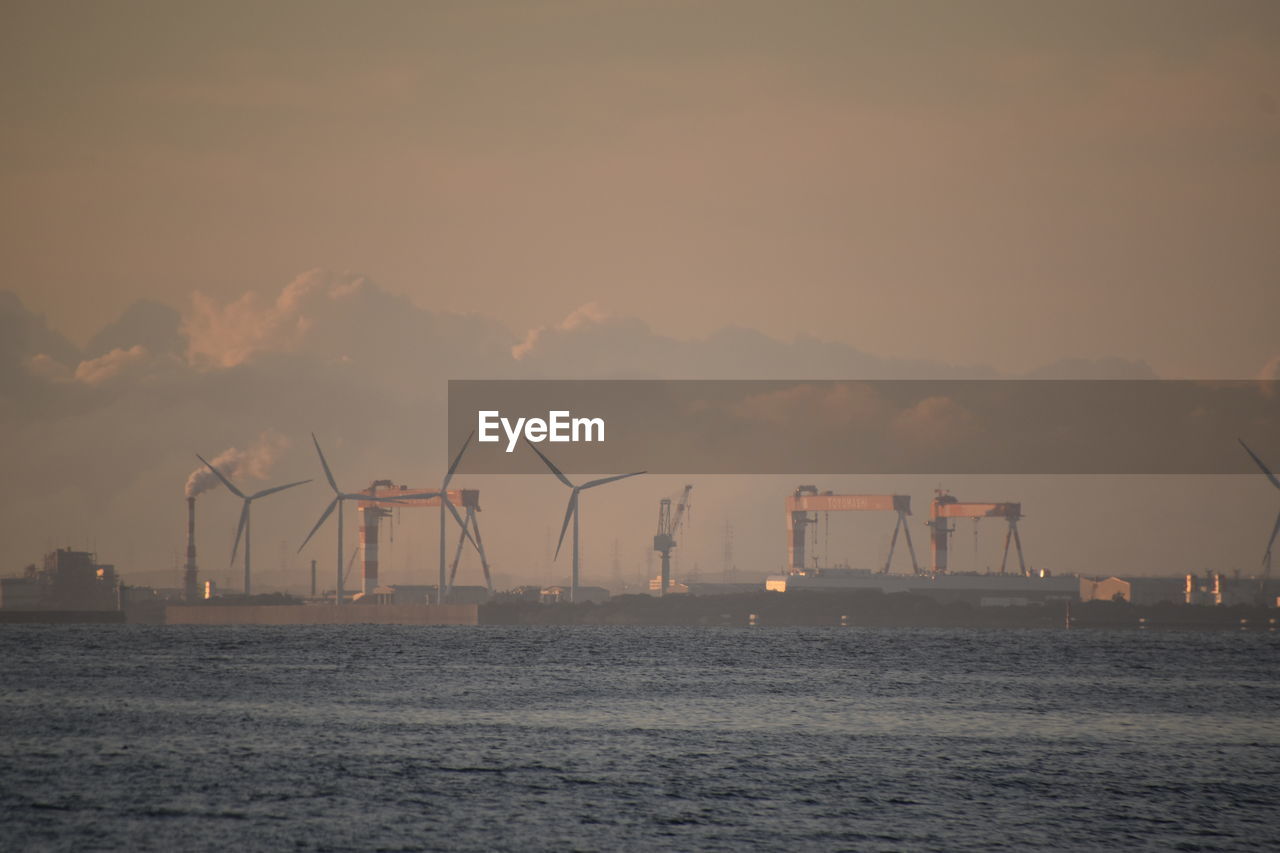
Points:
(571, 511)
(1266, 557)
(339, 497)
(243, 527)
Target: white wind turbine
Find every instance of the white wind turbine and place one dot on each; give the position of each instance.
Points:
(340, 497)
(242, 529)
(571, 511)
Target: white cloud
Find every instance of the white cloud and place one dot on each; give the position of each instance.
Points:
(112, 365)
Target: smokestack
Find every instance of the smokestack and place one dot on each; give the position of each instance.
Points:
(190, 587)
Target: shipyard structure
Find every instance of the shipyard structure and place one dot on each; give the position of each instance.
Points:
(67, 580)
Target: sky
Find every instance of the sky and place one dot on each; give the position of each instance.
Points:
(231, 220)
(1002, 183)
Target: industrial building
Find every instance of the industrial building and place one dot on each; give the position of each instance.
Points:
(1134, 590)
(992, 590)
(68, 580)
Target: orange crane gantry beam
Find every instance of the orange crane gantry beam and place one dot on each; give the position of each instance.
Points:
(373, 510)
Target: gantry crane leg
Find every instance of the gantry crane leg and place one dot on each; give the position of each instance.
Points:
(471, 521)
(457, 553)
(911, 549)
(1017, 541)
(484, 561)
(893, 543)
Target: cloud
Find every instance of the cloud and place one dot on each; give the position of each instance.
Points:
(835, 407)
(584, 317)
(48, 368)
(28, 348)
(935, 422)
(95, 371)
(591, 342)
(230, 334)
(154, 325)
(345, 318)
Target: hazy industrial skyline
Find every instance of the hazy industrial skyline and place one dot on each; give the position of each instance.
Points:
(276, 233)
(102, 443)
(669, 189)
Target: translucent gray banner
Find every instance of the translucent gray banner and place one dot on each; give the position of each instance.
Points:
(866, 427)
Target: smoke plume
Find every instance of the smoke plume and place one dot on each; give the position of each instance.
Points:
(234, 463)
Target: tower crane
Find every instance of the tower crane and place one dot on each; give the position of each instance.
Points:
(665, 539)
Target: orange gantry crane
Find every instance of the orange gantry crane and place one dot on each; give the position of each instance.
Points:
(372, 512)
(946, 506)
(806, 499)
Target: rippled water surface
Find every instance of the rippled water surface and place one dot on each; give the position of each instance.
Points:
(404, 738)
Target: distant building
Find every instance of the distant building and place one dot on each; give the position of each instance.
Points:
(19, 594)
(1216, 589)
(987, 590)
(556, 594)
(412, 594)
(673, 587)
(723, 588)
(421, 594)
(529, 592)
(68, 580)
(1143, 591)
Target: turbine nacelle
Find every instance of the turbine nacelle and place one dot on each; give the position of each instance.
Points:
(571, 509)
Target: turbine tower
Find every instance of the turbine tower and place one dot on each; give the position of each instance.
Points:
(1275, 529)
(571, 511)
(242, 529)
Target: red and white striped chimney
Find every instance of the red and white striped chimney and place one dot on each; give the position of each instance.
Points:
(369, 517)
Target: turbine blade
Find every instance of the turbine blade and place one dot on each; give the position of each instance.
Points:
(458, 518)
(456, 460)
(244, 519)
(604, 480)
(1272, 541)
(1265, 469)
(274, 489)
(218, 474)
(324, 462)
(570, 508)
(554, 470)
(327, 512)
